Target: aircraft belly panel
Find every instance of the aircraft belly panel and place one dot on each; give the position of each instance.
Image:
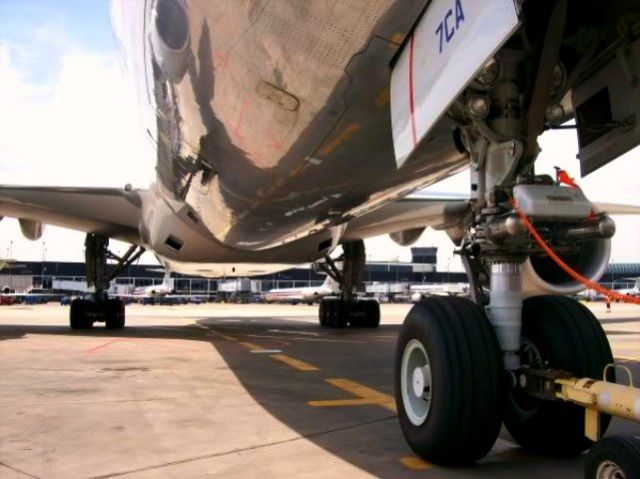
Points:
(274, 121)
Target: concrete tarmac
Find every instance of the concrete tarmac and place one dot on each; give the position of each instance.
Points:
(227, 391)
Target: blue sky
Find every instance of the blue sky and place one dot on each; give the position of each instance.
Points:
(39, 32)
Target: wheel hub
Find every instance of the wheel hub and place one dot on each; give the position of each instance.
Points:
(416, 382)
(609, 470)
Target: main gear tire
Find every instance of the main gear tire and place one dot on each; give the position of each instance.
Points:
(115, 314)
(78, 317)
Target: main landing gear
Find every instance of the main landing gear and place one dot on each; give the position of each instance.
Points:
(348, 309)
(98, 307)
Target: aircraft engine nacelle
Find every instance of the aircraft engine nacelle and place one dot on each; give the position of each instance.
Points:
(573, 222)
(541, 275)
(406, 237)
(31, 229)
(170, 37)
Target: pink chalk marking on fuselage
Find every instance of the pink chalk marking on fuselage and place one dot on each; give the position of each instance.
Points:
(237, 130)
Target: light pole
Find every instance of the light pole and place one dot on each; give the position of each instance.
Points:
(44, 258)
(11, 270)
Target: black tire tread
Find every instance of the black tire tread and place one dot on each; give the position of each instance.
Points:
(77, 315)
(465, 425)
(623, 450)
(575, 342)
(115, 314)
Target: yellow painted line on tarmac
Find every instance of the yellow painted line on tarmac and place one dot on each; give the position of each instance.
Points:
(343, 402)
(295, 338)
(415, 463)
(365, 396)
(227, 337)
(251, 346)
(294, 363)
(222, 335)
(214, 332)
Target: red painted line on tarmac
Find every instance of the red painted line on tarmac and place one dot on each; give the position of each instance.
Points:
(145, 342)
(412, 105)
(102, 346)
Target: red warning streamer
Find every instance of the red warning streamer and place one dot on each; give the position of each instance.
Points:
(612, 295)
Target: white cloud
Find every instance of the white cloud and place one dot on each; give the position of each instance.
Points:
(86, 133)
(83, 130)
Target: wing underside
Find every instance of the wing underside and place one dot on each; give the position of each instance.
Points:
(116, 212)
(111, 212)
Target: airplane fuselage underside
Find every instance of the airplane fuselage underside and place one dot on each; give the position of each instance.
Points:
(277, 123)
(273, 118)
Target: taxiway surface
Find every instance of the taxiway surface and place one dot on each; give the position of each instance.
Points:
(226, 391)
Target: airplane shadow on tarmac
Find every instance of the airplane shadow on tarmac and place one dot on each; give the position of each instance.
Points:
(368, 437)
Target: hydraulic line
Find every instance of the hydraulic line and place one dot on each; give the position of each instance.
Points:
(612, 295)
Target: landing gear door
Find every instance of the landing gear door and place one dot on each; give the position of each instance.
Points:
(451, 42)
(607, 105)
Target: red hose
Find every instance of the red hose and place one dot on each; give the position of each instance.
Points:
(612, 295)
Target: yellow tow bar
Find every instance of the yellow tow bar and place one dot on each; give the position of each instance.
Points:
(601, 397)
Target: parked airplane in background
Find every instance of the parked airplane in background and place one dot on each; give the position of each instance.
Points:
(287, 129)
(420, 291)
(633, 291)
(162, 289)
(311, 294)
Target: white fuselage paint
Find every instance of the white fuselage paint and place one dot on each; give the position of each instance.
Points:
(453, 40)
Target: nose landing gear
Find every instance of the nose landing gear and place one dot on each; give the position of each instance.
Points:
(449, 384)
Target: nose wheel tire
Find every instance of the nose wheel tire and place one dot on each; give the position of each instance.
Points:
(558, 333)
(614, 457)
(448, 381)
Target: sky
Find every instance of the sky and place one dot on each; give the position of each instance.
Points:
(70, 118)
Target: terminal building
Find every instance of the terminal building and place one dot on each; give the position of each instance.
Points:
(25, 276)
